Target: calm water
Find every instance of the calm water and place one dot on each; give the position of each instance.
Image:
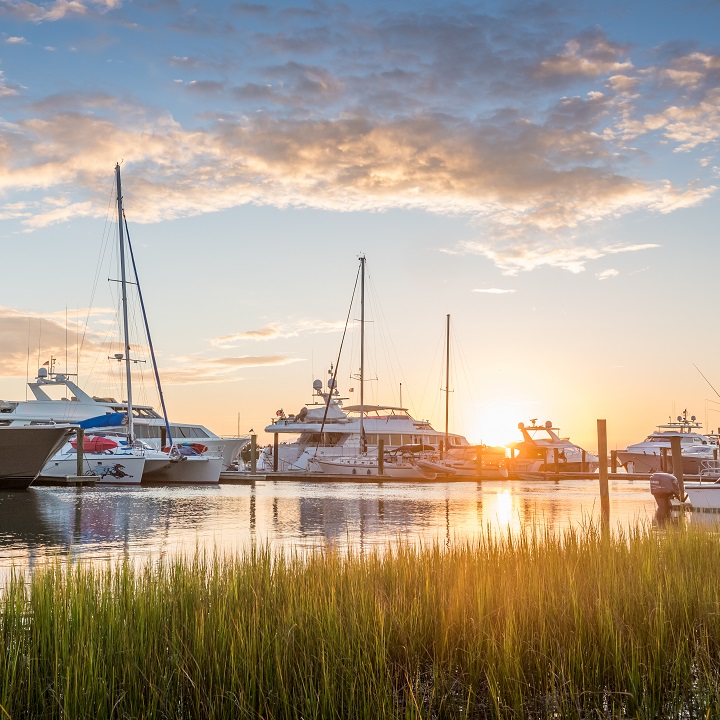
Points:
(99, 523)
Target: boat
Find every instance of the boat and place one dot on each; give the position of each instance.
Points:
(72, 404)
(543, 450)
(649, 455)
(25, 450)
(333, 438)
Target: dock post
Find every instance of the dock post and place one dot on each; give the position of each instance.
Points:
(275, 452)
(603, 467)
(663, 460)
(677, 465)
(80, 435)
(583, 462)
(442, 450)
(556, 460)
(381, 456)
(613, 461)
(478, 460)
(253, 454)
(163, 438)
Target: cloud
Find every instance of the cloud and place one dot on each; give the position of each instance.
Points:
(55, 10)
(606, 274)
(525, 256)
(27, 336)
(198, 370)
(588, 56)
(521, 128)
(493, 291)
(15, 40)
(274, 331)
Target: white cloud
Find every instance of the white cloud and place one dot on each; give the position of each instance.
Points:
(606, 274)
(493, 291)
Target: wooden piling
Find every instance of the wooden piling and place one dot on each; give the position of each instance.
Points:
(675, 446)
(603, 467)
(80, 436)
(613, 461)
(556, 460)
(253, 454)
(276, 461)
(478, 460)
(381, 456)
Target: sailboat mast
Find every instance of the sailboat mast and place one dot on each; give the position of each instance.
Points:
(363, 445)
(447, 383)
(123, 285)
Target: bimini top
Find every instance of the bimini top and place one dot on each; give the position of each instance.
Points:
(375, 408)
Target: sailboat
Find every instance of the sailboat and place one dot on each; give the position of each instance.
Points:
(117, 460)
(398, 462)
(111, 449)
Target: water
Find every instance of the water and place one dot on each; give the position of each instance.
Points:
(110, 523)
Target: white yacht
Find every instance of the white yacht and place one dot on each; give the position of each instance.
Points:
(645, 456)
(24, 451)
(326, 430)
(540, 445)
(77, 405)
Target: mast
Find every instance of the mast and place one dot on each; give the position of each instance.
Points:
(447, 382)
(123, 285)
(363, 442)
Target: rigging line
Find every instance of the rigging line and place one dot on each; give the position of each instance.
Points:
(101, 259)
(706, 380)
(337, 364)
(147, 330)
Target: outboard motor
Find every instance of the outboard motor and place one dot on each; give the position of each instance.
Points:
(664, 487)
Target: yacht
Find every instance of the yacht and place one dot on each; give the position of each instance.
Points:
(325, 430)
(24, 451)
(646, 456)
(539, 448)
(77, 405)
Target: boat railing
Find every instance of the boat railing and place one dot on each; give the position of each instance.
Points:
(709, 470)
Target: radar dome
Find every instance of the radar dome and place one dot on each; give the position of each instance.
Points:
(548, 423)
(42, 372)
(331, 383)
(317, 384)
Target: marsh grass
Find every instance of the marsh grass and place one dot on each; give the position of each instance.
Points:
(578, 625)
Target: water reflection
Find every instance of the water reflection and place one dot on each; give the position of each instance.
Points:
(136, 523)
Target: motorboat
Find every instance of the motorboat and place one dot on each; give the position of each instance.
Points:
(25, 450)
(543, 450)
(58, 398)
(648, 456)
(326, 429)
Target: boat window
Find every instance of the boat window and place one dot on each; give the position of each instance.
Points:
(395, 440)
(372, 438)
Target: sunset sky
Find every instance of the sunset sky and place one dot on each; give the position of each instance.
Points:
(544, 173)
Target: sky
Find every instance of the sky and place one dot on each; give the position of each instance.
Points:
(546, 174)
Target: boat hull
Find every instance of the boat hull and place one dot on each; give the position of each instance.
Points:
(110, 469)
(193, 470)
(704, 496)
(24, 451)
(363, 468)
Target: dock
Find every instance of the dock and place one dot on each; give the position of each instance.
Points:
(238, 477)
(65, 480)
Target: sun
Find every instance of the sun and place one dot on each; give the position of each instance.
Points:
(495, 425)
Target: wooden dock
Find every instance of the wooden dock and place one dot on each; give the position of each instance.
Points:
(66, 480)
(245, 478)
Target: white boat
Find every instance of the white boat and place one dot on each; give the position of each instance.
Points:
(648, 456)
(543, 450)
(111, 458)
(24, 451)
(59, 399)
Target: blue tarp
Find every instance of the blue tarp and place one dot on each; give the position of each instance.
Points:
(104, 421)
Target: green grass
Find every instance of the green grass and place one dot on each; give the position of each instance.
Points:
(581, 625)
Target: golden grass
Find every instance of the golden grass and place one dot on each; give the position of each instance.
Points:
(578, 625)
